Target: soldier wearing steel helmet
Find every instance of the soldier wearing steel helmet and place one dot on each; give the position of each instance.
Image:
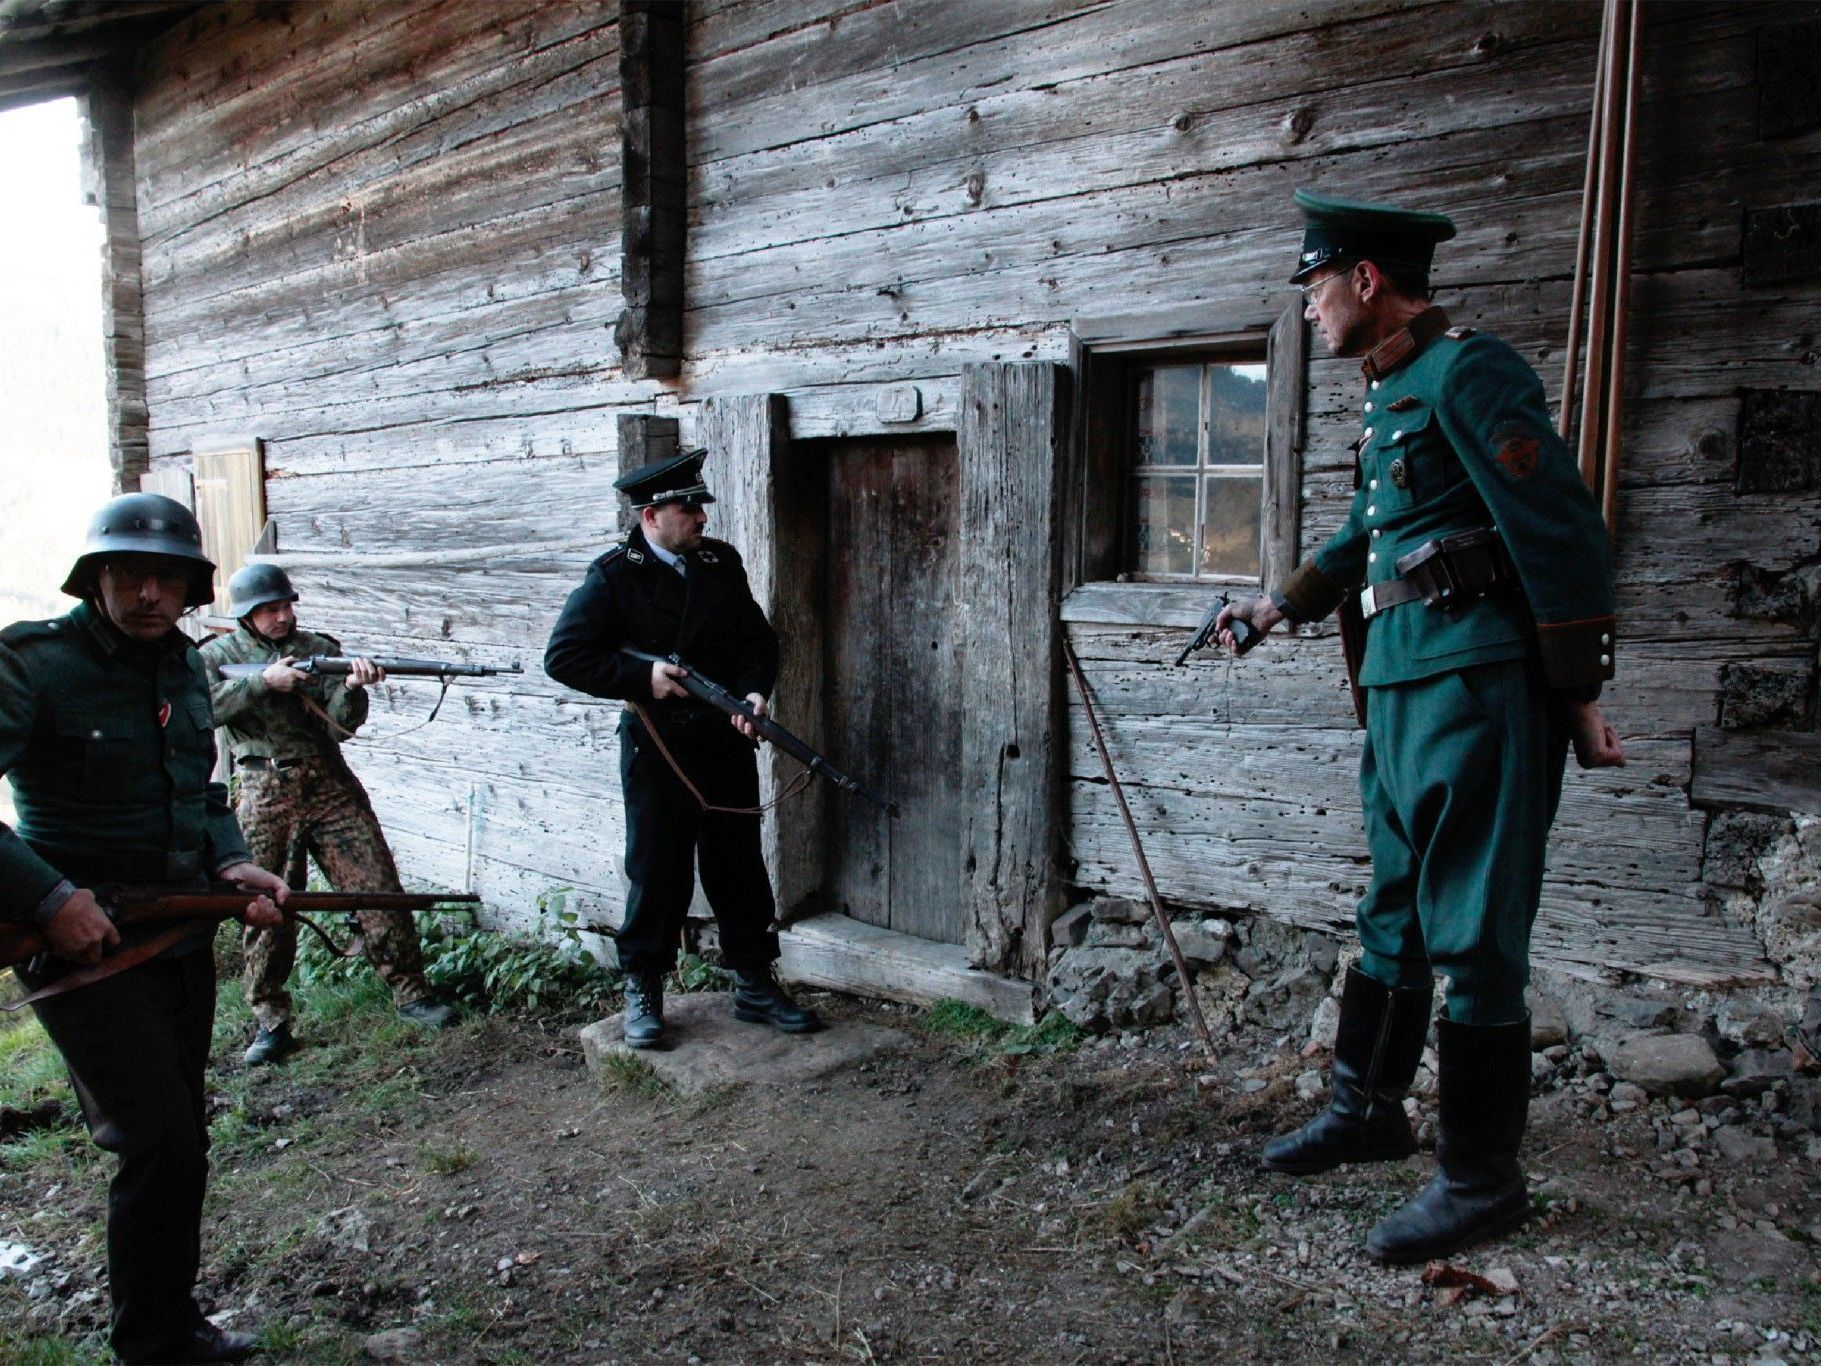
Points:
(105, 735)
(299, 800)
(1483, 582)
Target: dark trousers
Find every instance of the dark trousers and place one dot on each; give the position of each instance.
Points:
(136, 1045)
(1460, 777)
(667, 832)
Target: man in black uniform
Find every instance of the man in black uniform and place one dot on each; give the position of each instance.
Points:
(106, 734)
(669, 590)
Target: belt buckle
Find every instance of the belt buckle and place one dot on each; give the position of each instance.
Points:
(1368, 601)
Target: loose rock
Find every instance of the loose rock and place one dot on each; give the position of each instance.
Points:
(1667, 1064)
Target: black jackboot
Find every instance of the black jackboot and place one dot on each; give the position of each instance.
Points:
(642, 1024)
(1478, 1191)
(758, 999)
(1376, 1051)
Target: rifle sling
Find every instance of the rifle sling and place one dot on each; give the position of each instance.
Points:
(116, 963)
(796, 784)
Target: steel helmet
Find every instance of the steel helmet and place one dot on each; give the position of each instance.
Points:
(255, 586)
(144, 524)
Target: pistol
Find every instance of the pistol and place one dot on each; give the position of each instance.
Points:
(1245, 634)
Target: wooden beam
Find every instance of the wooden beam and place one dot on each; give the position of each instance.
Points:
(1777, 772)
(1287, 372)
(653, 187)
(847, 955)
(644, 439)
(766, 508)
(109, 180)
(1014, 423)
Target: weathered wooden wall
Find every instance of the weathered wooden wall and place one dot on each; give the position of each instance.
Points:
(382, 237)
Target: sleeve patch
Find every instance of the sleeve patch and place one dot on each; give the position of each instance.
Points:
(1517, 449)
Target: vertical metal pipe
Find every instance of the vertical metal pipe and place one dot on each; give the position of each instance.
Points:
(1615, 397)
(1578, 299)
(1593, 401)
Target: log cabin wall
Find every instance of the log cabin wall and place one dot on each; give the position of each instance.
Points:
(384, 238)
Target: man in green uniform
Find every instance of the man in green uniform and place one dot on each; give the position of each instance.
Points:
(299, 799)
(106, 737)
(1487, 602)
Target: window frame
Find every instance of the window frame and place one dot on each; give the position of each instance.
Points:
(1103, 353)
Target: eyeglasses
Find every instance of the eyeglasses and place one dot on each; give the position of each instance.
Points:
(1310, 290)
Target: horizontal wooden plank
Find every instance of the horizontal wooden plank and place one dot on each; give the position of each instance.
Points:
(836, 952)
(1776, 772)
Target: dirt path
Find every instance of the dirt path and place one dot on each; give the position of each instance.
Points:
(481, 1191)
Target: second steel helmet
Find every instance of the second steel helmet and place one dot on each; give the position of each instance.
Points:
(144, 524)
(255, 586)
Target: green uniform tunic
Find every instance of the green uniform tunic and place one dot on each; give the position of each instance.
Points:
(1466, 736)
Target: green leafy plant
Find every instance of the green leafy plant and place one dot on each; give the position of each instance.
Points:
(1054, 1033)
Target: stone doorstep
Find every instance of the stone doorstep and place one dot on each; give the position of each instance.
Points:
(706, 1047)
(842, 954)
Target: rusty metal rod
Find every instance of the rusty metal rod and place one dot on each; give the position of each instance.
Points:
(1621, 284)
(1578, 298)
(1144, 864)
(1593, 401)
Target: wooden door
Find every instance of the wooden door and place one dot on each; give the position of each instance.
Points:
(892, 683)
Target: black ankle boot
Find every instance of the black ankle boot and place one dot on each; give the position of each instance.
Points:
(1376, 1050)
(758, 999)
(642, 1024)
(1478, 1191)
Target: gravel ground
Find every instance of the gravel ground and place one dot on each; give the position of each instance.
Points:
(479, 1196)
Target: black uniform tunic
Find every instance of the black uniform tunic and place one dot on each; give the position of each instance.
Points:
(706, 615)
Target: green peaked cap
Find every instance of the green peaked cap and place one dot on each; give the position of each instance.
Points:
(1384, 233)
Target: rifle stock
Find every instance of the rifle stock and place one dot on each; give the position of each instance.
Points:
(707, 690)
(338, 666)
(20, 943)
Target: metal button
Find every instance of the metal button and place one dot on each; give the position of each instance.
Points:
(1605, 640)
(1372, 510)
(1398, 435)
(94, 735)
(1368, 433)
(1373, 486)
(1368, 405)
(1375, 384)
(1605, 661)
(1372, 557)
(1377, 532)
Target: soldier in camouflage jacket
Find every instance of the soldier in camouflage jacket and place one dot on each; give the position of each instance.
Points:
(300, 801)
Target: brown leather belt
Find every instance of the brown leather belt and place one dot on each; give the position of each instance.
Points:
(1450, 572)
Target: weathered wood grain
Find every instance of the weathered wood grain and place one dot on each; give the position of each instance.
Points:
(1014, 421)
(1771, 771)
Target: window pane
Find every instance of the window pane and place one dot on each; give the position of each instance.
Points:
(1168, 412)
(1231, 531)
(1236, 414)
(1164, 533)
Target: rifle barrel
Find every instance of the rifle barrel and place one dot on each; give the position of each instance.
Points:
(711, 692)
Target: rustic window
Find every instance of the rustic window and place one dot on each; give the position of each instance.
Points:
(1189, 459)
(1197, 447)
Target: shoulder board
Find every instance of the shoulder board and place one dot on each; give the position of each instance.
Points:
(722, 551)
(618, 552)
(1460, 333)
(23, 632)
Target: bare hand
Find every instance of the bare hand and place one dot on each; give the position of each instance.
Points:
(262, 911)
(1261, 612)
(745, 727)
(80, 930)
(281, 677)
(664, 676)
(362, 672)
(1596, 743)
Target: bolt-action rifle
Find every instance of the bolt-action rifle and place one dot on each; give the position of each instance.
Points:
(187, 913)
(1245, 634)
(707, 690)
(337, 666)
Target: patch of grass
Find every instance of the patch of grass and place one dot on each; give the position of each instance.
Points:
(449, 1161)
(632, 1075)
(31, 1070)
(1129, 1211)
(993, 1038)
(696, 973)
(21, 1348)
